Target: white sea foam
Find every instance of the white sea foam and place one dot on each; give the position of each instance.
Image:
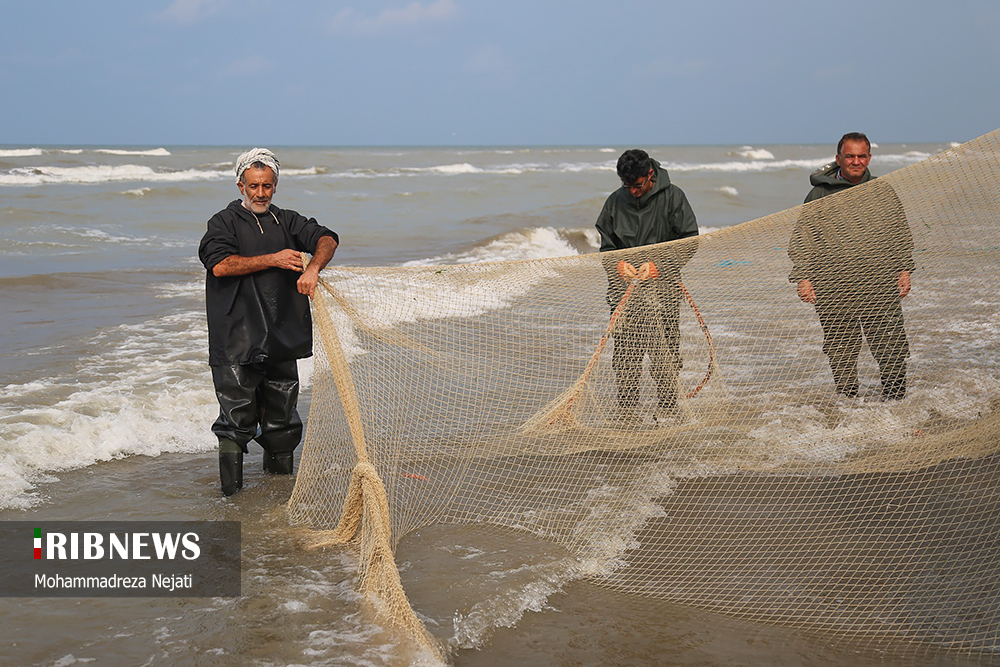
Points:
(728, 190)
(307, 171)
(187, 289)
(752, 153)
(418, 296)
(101, 235)
(463, 168)
(750, 166)
(20, 152)
(466, 168)
(91, 174)
(89, 237)
(509, 602)
(147, 390)
(802, 433)
(155, 152)
(585, 167)
(604, 533)
(490, 285)
(533, 243)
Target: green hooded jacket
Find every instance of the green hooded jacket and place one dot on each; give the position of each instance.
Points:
(851, 246)
(826, 181)
(662, 214)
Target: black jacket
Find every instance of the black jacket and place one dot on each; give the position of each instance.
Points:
(260, 316)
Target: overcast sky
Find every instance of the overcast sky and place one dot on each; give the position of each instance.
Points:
(500, 72)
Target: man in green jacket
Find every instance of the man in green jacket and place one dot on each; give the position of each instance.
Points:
(647, 209)
(852, 255)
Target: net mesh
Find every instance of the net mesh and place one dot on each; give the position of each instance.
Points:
(487, 394)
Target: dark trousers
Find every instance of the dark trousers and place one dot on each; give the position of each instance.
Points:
(653, 329)
(843, 335)
(263, 395)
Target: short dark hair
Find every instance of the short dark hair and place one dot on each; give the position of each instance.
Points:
(853, 136)
(633, 165)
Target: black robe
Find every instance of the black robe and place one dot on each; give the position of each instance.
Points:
(258, 317)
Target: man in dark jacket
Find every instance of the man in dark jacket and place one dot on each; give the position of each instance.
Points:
(257, 299)
(646, 210)
(851, 257)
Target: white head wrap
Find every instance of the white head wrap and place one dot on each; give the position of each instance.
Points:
(261, 155)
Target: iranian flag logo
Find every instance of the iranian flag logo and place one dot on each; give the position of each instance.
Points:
(38, 543)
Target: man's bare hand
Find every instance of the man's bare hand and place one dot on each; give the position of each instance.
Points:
(626, 271)
(288, 259)
(307, 282)
(904, 284)
(806, 291)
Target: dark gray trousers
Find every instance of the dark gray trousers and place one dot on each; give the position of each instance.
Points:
(653, 329)
(843, 335)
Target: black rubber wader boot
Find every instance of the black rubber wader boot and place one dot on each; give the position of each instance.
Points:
(230, 466)
(893, 388)
(279, 463)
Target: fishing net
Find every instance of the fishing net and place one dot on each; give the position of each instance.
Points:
(488, 394)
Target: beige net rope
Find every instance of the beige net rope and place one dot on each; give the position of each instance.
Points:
(489, 394)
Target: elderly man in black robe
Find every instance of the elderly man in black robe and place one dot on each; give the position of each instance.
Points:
(257, 298)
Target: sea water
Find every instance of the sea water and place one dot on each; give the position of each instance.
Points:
(106, 401)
